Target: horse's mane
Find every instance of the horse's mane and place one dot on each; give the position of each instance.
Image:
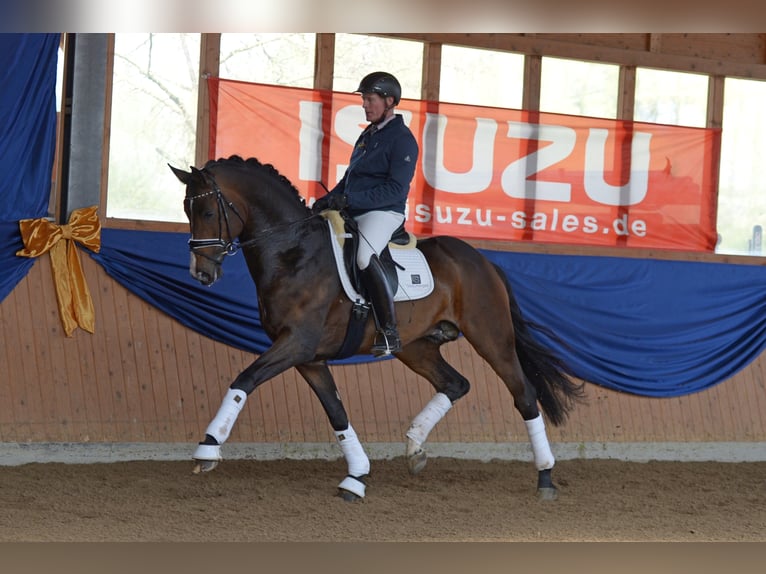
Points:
(255, 164)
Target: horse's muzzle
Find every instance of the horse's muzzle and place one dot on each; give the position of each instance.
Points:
(206, 272)
(206, 279)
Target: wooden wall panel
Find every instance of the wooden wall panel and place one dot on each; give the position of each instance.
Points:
(143, 377)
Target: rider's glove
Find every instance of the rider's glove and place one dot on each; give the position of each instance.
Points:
(336, 201)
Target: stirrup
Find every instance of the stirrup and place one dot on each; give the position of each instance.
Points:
(386, 343)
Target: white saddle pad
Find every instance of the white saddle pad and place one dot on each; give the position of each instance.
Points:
(415, 278)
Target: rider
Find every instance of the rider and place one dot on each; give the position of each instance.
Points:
(373, 191)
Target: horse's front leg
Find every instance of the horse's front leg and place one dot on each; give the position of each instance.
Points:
(319, 378)
(282, 355)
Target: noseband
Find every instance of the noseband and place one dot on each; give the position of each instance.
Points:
(225, 206)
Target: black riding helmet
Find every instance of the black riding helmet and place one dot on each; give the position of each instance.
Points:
(381, 83)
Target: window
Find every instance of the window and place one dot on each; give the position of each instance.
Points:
(156, 83)
(741, 188)
(281, 59)
(153, 123)
(357, 55)
(579, 88)
(481, 77)
(672, 98)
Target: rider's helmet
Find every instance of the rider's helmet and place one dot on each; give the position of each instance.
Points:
(381, 83)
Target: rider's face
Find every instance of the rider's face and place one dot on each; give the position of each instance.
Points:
(374, 106)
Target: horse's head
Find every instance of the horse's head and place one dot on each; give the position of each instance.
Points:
(214, 222)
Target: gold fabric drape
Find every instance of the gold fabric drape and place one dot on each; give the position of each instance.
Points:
(41, 235)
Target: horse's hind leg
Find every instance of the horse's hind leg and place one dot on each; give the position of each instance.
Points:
(319, 378)
(424, 357)
(494, 347)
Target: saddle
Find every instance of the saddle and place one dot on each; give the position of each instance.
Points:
(406, 270)
(351, 243)
(405, 265)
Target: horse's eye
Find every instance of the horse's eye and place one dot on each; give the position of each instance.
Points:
(208, 214)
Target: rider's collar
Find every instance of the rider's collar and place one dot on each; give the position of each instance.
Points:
(381, 124)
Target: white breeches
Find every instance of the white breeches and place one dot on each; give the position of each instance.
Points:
(375, 230)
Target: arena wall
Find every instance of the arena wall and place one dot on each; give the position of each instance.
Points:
(144, 386)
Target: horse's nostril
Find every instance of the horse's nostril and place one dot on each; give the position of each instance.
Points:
(203, 278)
(208, 278)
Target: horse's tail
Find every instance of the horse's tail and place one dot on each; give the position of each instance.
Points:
(548, 373)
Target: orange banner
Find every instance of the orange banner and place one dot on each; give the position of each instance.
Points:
(491, 173)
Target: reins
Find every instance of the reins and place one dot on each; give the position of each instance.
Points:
(224, 205)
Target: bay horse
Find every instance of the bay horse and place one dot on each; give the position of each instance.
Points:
(233, 204)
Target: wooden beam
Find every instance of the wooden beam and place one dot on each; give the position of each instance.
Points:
(209, 66)
(530, 99)
(106, 142)
(545, 46)
(715, 102)
(626, 95)
(432, 66)
(655, 43)
(324, 61)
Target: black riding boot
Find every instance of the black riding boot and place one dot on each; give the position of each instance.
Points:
(382, 299)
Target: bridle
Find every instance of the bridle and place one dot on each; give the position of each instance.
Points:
(224, 207)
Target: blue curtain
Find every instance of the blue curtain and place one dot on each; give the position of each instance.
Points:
(155, 266)
(646, 327)
(27, 142)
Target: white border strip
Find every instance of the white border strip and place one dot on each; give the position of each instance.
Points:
(14, 454)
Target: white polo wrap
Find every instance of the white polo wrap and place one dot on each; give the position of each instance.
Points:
(358, 463)
(353, 485)
(207, 452)
(220, 427)
(426, 420)
(540, 446)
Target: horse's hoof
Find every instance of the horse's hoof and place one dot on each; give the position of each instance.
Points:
(348, 496)
(549, 493)
(204, 466)
(417, 461)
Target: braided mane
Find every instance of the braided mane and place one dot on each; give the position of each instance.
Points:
(253, 164)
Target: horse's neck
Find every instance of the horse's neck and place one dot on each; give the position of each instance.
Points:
(281, 259)
(272, 216)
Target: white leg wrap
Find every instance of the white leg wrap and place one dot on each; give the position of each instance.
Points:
(358, 463)
(426, 420)
(207, 452)
(354, 486)
(540, 447)
(220, 427)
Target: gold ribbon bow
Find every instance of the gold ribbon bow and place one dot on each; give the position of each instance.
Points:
(41, 235)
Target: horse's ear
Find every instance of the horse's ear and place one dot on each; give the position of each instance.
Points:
(183, 176)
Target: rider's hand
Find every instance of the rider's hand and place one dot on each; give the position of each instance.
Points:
(321, 204)
(337, 201)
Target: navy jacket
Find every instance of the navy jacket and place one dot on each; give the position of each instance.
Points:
(380, 169)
